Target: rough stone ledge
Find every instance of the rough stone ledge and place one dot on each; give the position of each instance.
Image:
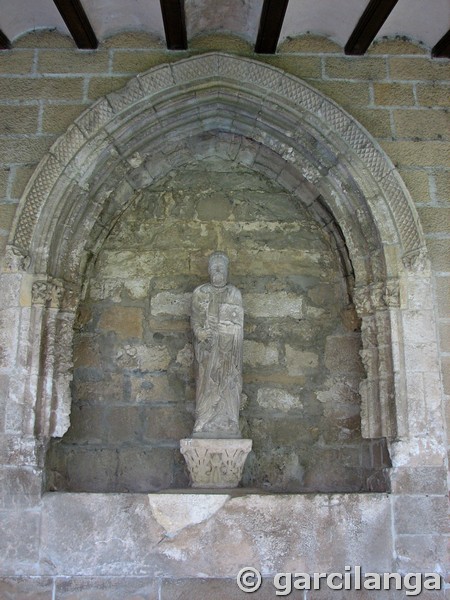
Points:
(164, 535)
(145, 588)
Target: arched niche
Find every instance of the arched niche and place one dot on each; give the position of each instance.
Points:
(260, 117)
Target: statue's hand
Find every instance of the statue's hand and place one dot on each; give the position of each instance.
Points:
(204, 335)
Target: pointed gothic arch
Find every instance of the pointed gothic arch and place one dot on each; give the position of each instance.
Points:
(256, 115)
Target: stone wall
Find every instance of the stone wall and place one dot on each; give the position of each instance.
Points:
(180, 546)
(401, 97)
(396, 91)
(134, 387)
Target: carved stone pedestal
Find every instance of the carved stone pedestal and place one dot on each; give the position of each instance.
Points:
(215, 463)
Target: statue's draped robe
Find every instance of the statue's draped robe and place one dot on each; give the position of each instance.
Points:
(218, 310)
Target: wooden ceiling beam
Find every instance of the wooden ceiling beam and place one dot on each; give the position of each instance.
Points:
(370, 23)
(270, 24)
(442, 48)
(77, 23)
(5, 44)
(174, 20)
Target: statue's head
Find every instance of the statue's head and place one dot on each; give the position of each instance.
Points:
(218, 269)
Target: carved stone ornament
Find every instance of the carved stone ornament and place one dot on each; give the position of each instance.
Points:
(218, 324)
(44, 292)
(377, 296)
(391, 295)
(14, 260)
(362, 298)
(215, 455)
(215, 463)
(416, 260)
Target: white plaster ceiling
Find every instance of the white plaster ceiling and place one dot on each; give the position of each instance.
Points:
(18, 17)
(237, 16)
(420, 20)
(112, 16)
(423, 21)
(335, 19)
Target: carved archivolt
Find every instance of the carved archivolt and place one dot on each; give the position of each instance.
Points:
(243, 111)
(263, 97)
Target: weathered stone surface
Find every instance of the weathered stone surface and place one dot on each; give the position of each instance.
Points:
(116, 531)
(430, 514)
(86, 470)
(278, 304)
(124, 535)
(88, 424)
(426, 480)
(212, 589)
(259, 354)
(167, 303)
(100, 391)
(391, 594)
(342, 354)
(277, 399)
(19, 542)
(146, 469)
(8, 337)
(107, 588)
(121, 426)
(145, 358)
(299, 362)
(21, 487)
(152, 389)
(126, 322)
(419, 553)
(166, 423)
(26, 588)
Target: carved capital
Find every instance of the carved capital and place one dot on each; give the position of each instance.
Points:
(377, 296)
(69, 299)
(215, 463)
(416, 260)
(391, 296)
(47, 292)
(15, 260)
(369, 298)
(377, 292)
(361, 298)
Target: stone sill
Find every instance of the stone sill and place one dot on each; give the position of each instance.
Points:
(230, 492)
(165, 534)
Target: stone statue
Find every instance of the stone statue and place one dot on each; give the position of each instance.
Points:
(217, 323)
(216, 454)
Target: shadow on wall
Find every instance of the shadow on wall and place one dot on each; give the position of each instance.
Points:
(133, 392)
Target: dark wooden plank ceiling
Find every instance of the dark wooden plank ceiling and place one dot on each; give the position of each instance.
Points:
(375, 14)
(4, 41)
(174, 20)
(270, 24)
(77, 23)
(442, 48)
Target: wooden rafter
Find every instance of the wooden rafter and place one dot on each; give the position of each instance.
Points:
(376, 13)
(174, 24)
(270, 24)
(442, 48)
(4, 41)
(77, 23)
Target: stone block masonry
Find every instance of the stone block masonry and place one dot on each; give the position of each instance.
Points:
(110, 545)
(401, 98)
(133, 392)
(152, 547)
